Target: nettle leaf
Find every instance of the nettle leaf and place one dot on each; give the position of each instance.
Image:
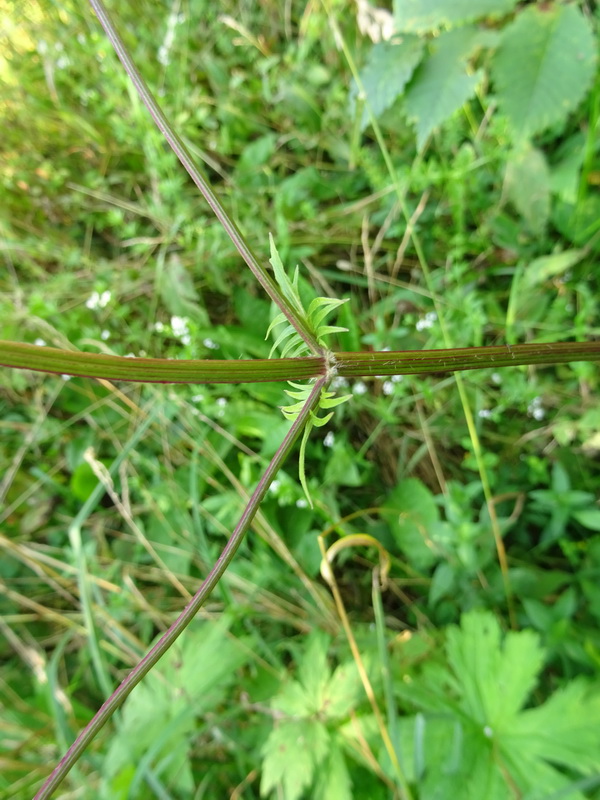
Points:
(292, 753)
(389, 67)
(443, 84)
(527, 186)
(420, 16)
(543, 67)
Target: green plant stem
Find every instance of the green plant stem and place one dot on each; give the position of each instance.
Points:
(415, 362)
(350, 365)
(183, 620)
(158, 370)
(468, 414)
(187, 160)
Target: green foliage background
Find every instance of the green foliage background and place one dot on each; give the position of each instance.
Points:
(116, 499)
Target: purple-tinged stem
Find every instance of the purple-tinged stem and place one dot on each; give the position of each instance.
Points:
(187, 615)
(184, 155)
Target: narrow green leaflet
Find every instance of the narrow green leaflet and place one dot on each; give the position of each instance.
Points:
(543, 67)
(420, 16)
(292, 346)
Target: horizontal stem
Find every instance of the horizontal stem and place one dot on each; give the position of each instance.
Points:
(350, 365)
(157, 370)
(414, 362)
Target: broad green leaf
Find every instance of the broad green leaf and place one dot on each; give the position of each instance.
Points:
(416, 515)
(527, 186)
(389, 67)
(543, 67)
(589, 518)
(564, 730)
(292, 753)
(541, 269)
(313, 670)
(496, 678)
(333, 781)
(161, 713)
(442, 84)
(420, 16)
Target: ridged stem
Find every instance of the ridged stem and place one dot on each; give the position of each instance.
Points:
(187, 615)
(187, 160)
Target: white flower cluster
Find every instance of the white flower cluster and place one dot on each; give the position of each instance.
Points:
(535, 409)
(98, 300)
(427, 321)
(179, 326)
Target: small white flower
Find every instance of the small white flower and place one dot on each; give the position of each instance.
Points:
(129, 355)
(388, 387)
(97, 300)
(159, 327)
(62, 62)
(210, 344)
(40, 343)
(197, 398)
(302, 503)
(360, 387)
(221, 402)
(186, 339)
(488, 732)
(274, 487)
(536, 410)
(329, 439)
(497, 378)
(427, 321)
(66, 377)
(42, 47)
(105, 335)
(179, 326)
(339, 382)
(484, 413)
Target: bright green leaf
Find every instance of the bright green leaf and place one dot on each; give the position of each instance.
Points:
(292, 753)
(527, 185)
(427, 15)
(389, 67)
(544, 67)
(442, 84)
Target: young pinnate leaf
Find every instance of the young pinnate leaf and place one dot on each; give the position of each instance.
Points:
(293, 346)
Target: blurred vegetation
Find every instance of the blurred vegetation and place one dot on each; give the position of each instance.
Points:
(117, 499)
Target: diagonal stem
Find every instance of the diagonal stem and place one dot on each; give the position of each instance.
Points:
(184, 155)
(187, 615)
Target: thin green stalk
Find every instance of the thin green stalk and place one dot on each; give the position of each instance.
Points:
(176, 629)
(187, 160)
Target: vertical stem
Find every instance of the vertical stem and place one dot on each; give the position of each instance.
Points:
(184, 155)
(187, 615)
